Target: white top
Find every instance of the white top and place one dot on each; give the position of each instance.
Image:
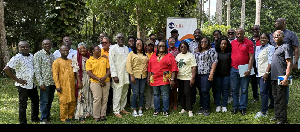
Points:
(70, 56)
(100, 45)
(23, 66)
(117, 61)
(185, 62)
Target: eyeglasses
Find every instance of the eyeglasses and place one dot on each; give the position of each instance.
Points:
(161, 46)
(256, 29)
(276, 35)
(104, 42)
(230, 33)
(204, 41)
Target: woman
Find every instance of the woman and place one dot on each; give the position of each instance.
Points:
(84, 96)
(97, 68)
(149, 100)
(222, 76)
(136, 66)
(263, 58)
(161, 74)
(207, 61)
(186, 63)
(173, 93)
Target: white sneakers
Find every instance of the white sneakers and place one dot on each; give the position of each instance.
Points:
(135, 114)
(190, 112)
(218, 109)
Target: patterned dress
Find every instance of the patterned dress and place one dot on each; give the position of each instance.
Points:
(84, 105)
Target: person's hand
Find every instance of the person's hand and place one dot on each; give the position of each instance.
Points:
(80, 85)
(43, 87)
(247, 73)
(116, 79)
(172, 83)
(21, 81)
(210, 77)
(102, 79)
(284, 82)
(58, 90)
(132, 79)
(102, 84)
(192, 81)
(265, 77)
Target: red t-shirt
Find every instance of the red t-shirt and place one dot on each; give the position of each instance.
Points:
(240, 52)
(161, 71)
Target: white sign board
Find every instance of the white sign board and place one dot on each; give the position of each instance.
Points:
(185, 27)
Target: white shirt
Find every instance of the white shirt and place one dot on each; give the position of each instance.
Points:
(117, 61)
(70, 56)
(100, 45)
(23, 66)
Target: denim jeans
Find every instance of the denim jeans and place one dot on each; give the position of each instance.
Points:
(46, 98)
(138, 91)
(205, 86)
(264, 92)
(222, 86)
(165, 91)
(237, 82)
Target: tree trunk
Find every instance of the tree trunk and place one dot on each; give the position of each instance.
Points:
(219, 12)
(228, 12)
(138, 32)
(4, 54)
(257, 12)
(243, 15)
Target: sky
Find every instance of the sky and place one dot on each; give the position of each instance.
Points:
(212, 7)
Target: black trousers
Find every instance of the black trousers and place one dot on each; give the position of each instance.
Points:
(23, 98)
(185, 94)
(280, 106)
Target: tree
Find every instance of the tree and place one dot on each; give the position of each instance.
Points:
(228, 12)
(243, 15)
(4, 54)
(257, 13)
(219, 12)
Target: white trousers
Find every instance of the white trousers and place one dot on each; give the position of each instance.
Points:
(120, 98)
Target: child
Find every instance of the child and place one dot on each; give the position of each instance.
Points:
(64, 79)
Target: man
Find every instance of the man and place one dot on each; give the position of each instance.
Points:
(43, 61)
(174, 34)
(131, 40)
(68, 42)
(242, 53)
(255, 40)
(231, 34)
(117, 61)
(291, 39)
(101, 37)
(24, 67)
(64, 79)
(281, 66)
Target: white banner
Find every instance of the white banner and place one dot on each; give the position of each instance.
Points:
(185, 27)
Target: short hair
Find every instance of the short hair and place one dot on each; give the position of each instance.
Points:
(131, 37)
(92, 48)
(152, 35)
(106, 38)
(281, 32)
(218, 32)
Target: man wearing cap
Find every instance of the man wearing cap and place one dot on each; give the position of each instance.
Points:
(174, 34)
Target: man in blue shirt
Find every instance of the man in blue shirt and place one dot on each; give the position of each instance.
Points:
(174, 34)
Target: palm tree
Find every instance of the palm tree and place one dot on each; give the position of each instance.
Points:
(219, 12)
(243, 15)
(257, 12)
(228, 12)
(4, 54)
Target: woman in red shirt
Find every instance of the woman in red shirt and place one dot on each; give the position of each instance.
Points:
(161, 73)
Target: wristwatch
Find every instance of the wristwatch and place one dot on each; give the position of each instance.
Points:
(296, 62)
(172, 79)
(268, 72)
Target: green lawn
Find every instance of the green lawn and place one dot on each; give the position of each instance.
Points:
(9, 111)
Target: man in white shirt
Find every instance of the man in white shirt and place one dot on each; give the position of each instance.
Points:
(24, 67)
(67, 41)
(117, 61)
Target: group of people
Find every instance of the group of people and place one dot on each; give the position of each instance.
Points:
(90, 80)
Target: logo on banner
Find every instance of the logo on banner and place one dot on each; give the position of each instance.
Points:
(173, 25)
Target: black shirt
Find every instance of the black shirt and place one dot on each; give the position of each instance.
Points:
(279, 65)
(224, 64)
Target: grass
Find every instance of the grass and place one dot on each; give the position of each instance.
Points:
(9, 111)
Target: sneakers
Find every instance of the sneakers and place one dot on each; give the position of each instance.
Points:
(140, 113)
(191, 113)
(224, 109)
(260, 114)
(206, 112)
(182, 111)
(134, 113)
(218, 109)
(155, 113)
(166, 114)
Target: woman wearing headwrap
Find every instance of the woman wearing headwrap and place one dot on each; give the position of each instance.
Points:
(84, 97)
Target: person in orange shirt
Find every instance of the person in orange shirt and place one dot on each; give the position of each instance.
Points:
(97, 68)
(64, 79)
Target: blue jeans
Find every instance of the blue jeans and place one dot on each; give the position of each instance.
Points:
(205, 86)
(222, 86)
(237, 82)
(46, 98)
(138, 91)
(264, 92)
(165, 90)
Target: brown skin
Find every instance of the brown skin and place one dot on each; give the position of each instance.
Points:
(171, 43)
(105, 46)
(278, 37)
(240, 35)
(23, 48)
(255, 31)
(183, 50)
(263, 41)
(139, 47)
(46, 45)
(231, 36)
(64, 51)
(67, 41)
(120, 41)
(204, 46)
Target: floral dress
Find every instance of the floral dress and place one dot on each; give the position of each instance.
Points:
(84, 105)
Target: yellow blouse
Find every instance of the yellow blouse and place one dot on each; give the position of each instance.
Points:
(98, 67)
(137, 65)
